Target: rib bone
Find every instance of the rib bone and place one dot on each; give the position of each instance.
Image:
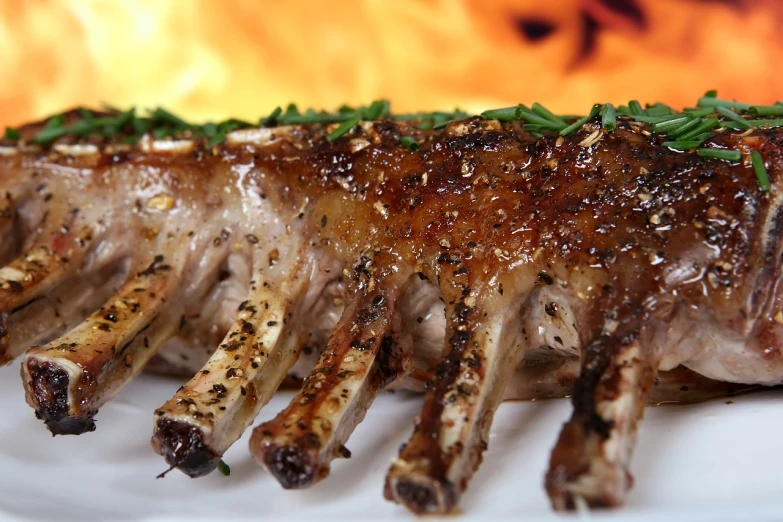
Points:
(206, 416)
(365, 353)
(436, 464)
(590, 461)
(64, 308)
(37, 272)
(68, 379)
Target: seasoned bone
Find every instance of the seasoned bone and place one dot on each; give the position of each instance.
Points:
(366, 352)
(68, 379)
(435, 465)
(590, 463)
(207, 415)
(37, 272)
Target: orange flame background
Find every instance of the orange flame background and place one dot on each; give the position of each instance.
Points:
(211, 60)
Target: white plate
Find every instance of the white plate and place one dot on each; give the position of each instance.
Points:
(713, 461)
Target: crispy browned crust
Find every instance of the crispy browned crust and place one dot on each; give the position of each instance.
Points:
(635, 234)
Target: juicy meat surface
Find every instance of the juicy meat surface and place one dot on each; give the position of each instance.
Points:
(490, 264)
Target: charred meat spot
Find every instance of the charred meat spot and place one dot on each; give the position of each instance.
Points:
(378, 302)
(461, 312)
(551, 309)
(464, 270)
(154, 266)
(291, 466)
(362, 267)
(16, 286)
(49, 384)
(546, 278)
(366, 316)
(220, 390)
(474, 361)
(449, 259)
(183, 447)
(248, 328)
(362, 345)
(422, 499)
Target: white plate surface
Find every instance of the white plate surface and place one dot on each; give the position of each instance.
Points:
(713, 461)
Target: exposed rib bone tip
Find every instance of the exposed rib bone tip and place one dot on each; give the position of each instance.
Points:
(48, 386)
(422, 495)
(182, 446)
(292, 467)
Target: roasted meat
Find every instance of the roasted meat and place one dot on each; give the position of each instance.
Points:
(478, 262)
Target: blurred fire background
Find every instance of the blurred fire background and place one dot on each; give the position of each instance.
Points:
(213, 59)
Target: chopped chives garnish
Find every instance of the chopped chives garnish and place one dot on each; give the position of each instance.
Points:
(739, 120)
(49, 134)
(527, 115)
(413, 116)
(697, 113)
(761, 170)
(578, 124)
(756, 123)
(346, 109)
(672, 124)
(658, 109)
(635, 108)
(12, 134)
(293, 109)
(165, 116)
(410, 143)
(660, 119)
(682, 145)
(271, 120)
(210, 130)
(345, 127)
(506, 114)
(537, 135)
(682, 128)
(766, 110)
(703, 136)
(712, 93)
(728, 155)
(216, 140)
(608, 117)
(305, 119)
(377, 109)
(709, 101)
(545, 113)
(444, 122)
(223, 468)
(55, 122)
(705, 125)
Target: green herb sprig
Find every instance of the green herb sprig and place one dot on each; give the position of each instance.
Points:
(223, 468)
(685, 130)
